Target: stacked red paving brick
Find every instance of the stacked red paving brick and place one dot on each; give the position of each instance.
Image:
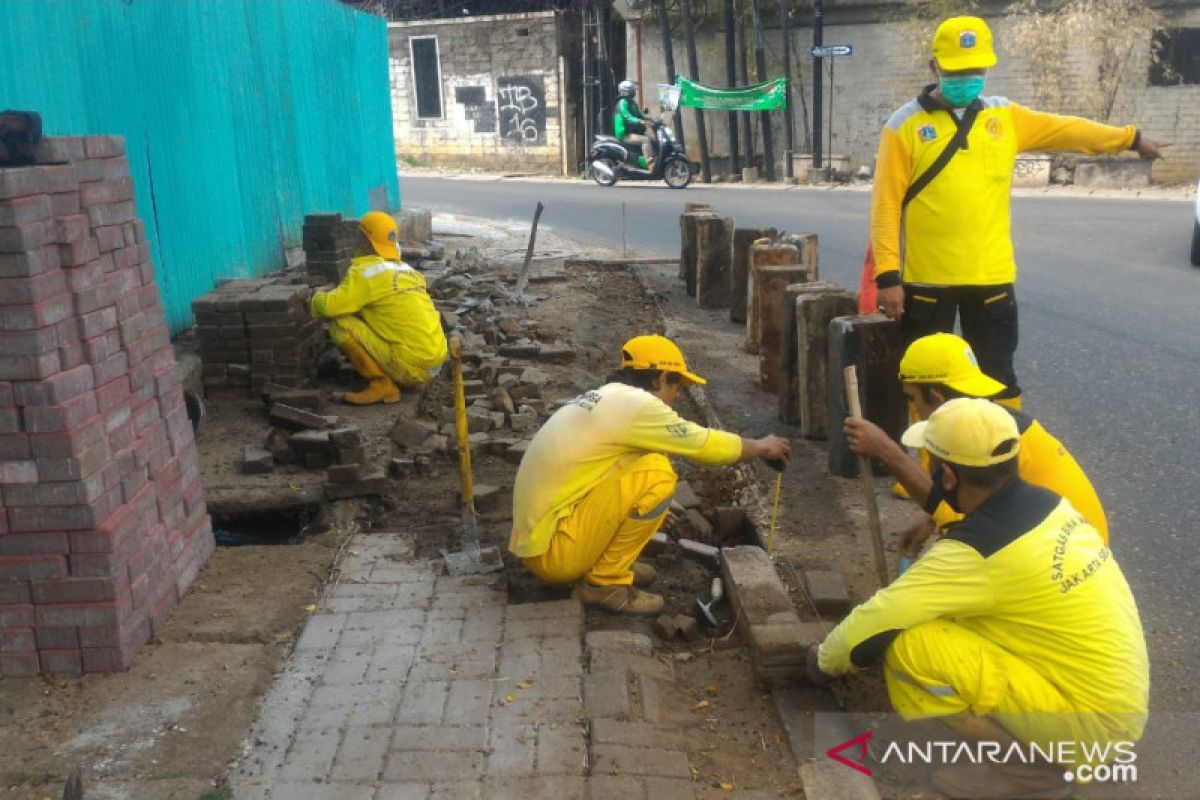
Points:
(104, 524)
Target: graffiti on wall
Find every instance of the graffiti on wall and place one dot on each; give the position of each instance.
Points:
(521, 102)
(480, 112)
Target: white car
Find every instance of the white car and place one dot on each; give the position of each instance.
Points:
(1196, 231)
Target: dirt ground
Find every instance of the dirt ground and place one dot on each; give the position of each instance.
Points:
(170, 727)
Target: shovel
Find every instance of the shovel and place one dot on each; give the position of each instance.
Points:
(471, 560)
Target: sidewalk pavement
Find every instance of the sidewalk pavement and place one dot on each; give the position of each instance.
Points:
(407, 685)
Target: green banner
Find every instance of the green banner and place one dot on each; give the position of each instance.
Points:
(766, 96)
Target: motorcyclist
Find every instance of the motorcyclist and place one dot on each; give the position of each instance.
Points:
(629, 122)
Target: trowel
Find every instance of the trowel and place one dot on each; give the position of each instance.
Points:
(471, 560)
(707, 602)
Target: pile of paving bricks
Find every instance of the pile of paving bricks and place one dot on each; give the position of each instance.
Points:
(103, 526)
(329, 243)
(255, 332)
(306, 438)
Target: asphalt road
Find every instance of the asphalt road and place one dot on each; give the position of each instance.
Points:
(1109, 358)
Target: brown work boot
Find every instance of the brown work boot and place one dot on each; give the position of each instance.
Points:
(618, 599)
(643, 573)
(1002, 782)
(379, 390)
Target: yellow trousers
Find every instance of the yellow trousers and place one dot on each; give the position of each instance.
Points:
(940, 669)
(608, 529)
(389, 355)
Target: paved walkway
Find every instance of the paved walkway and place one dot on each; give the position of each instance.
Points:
(407, 684)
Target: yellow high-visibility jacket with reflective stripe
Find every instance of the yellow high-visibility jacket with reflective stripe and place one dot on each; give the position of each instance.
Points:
(956, 231)
(391, 298)
(596, 435)
(1026, 572)
(1044, 461)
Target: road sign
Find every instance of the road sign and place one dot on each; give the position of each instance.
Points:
(832, 51)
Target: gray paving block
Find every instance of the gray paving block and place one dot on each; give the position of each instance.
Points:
(424, 703)
(554, 609)
(606, 694)
(624, 641)
(404, 791)
(831, 781)
(311, 755)
(483, 625)
(556, 787)
(338, 706)
(321, 632)
(674, 789)
(467, 702)
(616, 787)
(440, 737)
(320, 791)
(828, 591)
(452, 661)
(561, 749)
(453, 790)
(361, 755)
(442, 631)
(391, 663)
(433, 765)
(615, 759)
(512, 749)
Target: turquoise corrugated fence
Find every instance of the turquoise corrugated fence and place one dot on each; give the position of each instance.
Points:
(239, 117)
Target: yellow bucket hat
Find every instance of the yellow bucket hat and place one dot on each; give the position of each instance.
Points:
(963, 43)
(380, 230)
(967, 431)
(656, 352)
(945, 358)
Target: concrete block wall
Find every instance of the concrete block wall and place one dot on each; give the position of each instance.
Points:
(103, 524)
(511, 63)
(888, 68)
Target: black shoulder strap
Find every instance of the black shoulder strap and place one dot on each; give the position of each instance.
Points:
(957, 142)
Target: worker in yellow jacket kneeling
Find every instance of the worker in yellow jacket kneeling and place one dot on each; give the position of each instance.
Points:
(381, 317)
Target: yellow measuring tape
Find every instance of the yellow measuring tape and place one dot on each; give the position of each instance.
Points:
(775, 512)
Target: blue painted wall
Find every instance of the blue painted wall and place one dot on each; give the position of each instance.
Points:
(239, 117)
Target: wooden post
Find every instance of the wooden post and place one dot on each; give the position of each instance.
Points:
(760, 62)
(872, 343)
(739, 274)
(810, 254)
(813, 314)
(763, 255)
(868, 483)
(523, 281)
(771, 287)
(735, 157)
(744, 57)
(664, 24)
(689, 34)
(714, 250)
(791, 377)
(689, 250)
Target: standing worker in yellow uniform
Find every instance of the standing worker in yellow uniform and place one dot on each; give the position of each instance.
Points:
(1018, 625)
(595, 483)
(942, 184)
(942, 367)
(381, 317)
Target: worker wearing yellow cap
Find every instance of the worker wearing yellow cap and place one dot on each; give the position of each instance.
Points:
(1017, 625)
(942, 183)
(595, 484)
(942, 367)
(381, 317)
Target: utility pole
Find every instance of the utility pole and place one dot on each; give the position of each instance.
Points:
(744, 58)
(669, 55)
(818, 97)
(735, 158)
(760, 63)
(587, 82)
(689, 33)
(785, 26)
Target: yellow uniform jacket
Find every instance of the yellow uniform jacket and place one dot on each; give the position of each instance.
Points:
(1026, 572)
(599, 433)
(956, 230)
(391, 299)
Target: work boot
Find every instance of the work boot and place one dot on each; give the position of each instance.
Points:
(618, 599)
(380, 388)
(1002, 782)
(643, 573)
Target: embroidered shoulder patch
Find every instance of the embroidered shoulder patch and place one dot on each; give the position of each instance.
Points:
(927, 133)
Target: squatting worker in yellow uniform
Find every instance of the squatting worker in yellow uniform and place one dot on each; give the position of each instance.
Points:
(595, 483)
(381, 317)
(1018, 622)
(942, 367)
(957, 254)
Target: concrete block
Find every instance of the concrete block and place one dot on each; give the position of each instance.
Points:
(293, 418)
(698, 551)
(872, 344)
(371, 483)
(688, 244)
(770, 624)
(827, 589)
(256, 460)
(714, 254)
(770, 287)
(743, 239)
(664, 627)
(686, 496)
(761, 256)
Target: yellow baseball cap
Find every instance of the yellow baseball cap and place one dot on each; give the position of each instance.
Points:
(963, 43)
(968, 431)
(380, 229)
(947, 359)
(657, 352)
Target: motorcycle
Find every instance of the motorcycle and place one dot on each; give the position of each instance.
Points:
(611, 159)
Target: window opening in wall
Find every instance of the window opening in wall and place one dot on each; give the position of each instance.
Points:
(1176, 57)
(427, 76)
(522, 31)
